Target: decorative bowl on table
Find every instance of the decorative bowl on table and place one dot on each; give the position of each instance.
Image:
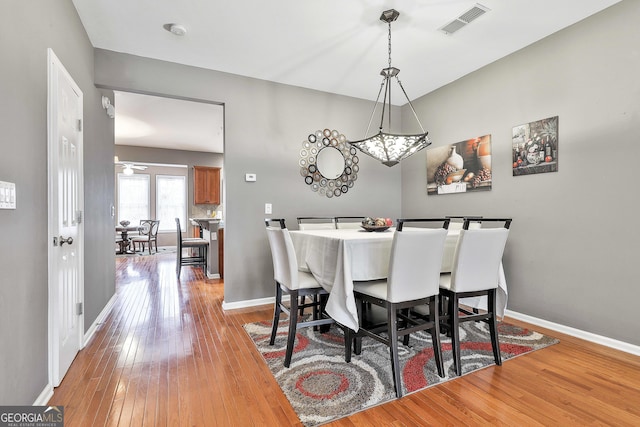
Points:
(125, 223)
(376, 224)
(375, 227)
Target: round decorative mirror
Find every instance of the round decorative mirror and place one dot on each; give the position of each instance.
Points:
(328, 163)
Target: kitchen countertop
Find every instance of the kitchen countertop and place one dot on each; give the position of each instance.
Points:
(207, 222)
(209, 231)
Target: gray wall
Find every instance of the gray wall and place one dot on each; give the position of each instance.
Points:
(171, 157)
(29, 30)
(563, 263)
(265, 124)
(571, 254)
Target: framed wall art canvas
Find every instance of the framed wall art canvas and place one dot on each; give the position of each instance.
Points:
(462, 167)
(535, 147)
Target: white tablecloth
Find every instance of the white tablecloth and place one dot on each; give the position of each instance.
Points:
(337, 258)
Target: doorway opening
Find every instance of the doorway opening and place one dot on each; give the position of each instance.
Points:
(159, 139)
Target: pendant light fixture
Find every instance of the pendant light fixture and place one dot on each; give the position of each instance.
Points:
(387, 147)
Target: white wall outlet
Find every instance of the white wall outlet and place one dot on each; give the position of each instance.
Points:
(268, 209)
(250, 177)
(7, 195)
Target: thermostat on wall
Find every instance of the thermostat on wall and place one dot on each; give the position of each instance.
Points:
(7, 195)
(250, 177)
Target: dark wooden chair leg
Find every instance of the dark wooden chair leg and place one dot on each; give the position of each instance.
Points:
(321, 302)
(204, 260)
(357, 341)
(276, 314)
(348, 343)
(493, 326)
(444, 313)
(455, 332)
(300, 303)
(315, 309)
(405, 338)
(179, 262)
(393, 347)
(293, 321)
(435, 334)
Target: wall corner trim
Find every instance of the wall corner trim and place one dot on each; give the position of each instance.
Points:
(578, 333)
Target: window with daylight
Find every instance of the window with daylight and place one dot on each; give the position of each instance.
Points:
(133, 198)
(171, 201)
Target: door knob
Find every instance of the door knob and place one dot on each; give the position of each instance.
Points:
(68, 240)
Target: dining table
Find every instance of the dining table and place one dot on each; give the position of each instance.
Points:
(337, 258)
(124, 233)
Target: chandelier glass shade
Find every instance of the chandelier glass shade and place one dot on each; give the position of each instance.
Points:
(390, 149)
(387, 147)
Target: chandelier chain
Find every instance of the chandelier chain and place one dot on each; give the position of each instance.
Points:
(389, 44)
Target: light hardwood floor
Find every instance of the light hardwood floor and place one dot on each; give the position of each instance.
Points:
(168, 355)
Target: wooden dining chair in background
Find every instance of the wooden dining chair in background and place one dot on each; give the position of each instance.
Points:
(148, 234)
(200, 246)
(413, 280)
(293, 282)
(474, 273)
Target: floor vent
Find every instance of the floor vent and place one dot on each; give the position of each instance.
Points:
(464, 19)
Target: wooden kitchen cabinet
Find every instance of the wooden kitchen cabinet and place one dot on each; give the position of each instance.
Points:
(206, 185)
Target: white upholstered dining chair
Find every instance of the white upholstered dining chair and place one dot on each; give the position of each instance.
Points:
(414, 277)
(316, 223)
(475, 272)
(289, 280)
(349, 222)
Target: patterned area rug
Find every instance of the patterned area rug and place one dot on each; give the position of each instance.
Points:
(161, 250)
(321, 387)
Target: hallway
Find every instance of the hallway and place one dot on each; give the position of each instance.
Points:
(168, 355)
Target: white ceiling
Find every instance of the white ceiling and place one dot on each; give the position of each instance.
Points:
(335, 46)
(152, 121)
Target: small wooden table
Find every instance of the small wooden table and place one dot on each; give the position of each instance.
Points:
(124, 233)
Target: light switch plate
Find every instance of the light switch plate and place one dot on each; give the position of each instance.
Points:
(7, 195)
(250, 177)
(268, 209)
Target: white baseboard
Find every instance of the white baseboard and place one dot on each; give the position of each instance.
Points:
(251, 303)
(44, 397)
(100, 319)
(247, 303)
(578, 333)
(213, 275)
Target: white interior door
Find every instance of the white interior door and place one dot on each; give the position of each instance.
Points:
(66, 237)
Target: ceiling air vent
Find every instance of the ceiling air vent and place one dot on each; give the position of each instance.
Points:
(464, 19)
